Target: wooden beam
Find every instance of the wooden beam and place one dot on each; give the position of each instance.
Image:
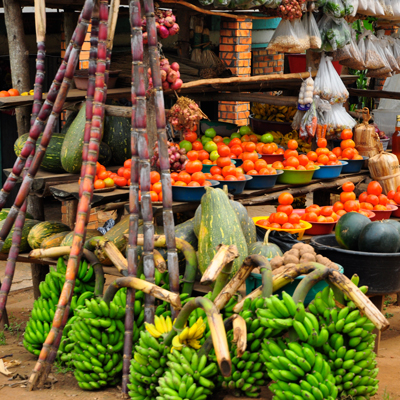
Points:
(376, 94)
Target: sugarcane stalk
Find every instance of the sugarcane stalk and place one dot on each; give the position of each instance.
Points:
(363, 303)
(55, 88)
(225, 255)
(240, 334)
(51, 122)
(168, 216)
(308, 282)
(94, 40)
(84, 201)
(98, 272)
(217, 330)
(249, 263)
(144, 286)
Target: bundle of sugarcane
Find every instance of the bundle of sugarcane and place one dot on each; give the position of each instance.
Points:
(197, 45)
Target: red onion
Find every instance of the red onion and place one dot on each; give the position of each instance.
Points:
(184, 164)
(178, 74)
(182, 151)
(172, 77)
(175, 66)
(144, 22)
(168, 22)
(163, 32)
(161, 21)
(165, 85)
(183, 159)
(168, 13)
(173, 17)
(163, 76)
(177, 166)
(177, 84)
(174, 29)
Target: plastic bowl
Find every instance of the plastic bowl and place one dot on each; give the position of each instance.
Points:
(190, 193)
(295, 177)
(299, 231)
(207, 167)
(396, 213)
(271, 158)
(320, 228)
(383, 214)
(262, 181)
(238, 162)
(353, 166)
(255, 280)
(234, 187)
(329, 171)
(224, 129)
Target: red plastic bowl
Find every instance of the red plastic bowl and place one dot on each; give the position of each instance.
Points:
(396, 213)
(384, 214)
(271, 158)
(320, 228)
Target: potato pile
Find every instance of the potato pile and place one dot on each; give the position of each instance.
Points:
(301, 253)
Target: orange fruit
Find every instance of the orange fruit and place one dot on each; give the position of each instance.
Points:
(348, 187)
(375, 188)
(285, 198)
(322, 142)
(292, 144)
(347, 143)
(346, 196)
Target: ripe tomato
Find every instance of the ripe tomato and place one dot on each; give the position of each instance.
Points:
(252, 172)
(120, 171)
(338, 206)
(312, 156)
(120, 181)
(223, 161)
(194, 183)
(292, 162)
(128, 163)
(391, 194)
(374, 188)
(224, 151)
(127, 173)
(248, 165)
(196, 145)
(277, 165)
(236, 150)
(351, 205)
(281, 218)
(231, 178)
(218, 177)
(337, 151)
(250, 147)
(216, 170)
(373, 199)
(380, 207)
(99, 184)
(346, 196)
(229, 170)
(181, 183)
(235, 141)
(294, 218)
(174, 176)
(240, 177)
(103, 175)
(396, 197)
(157, 187)
(285, 198)
(194, 166)
(199, 177)
(366, 206)
(207, 175)
(192, 155)
(13, 92)
(203, 155)
(184, 177)
(259, 164)
(346, 134)
(326, 211)
(287, 209)
(154, 176)
(363, 197)
(322, 143)
(345, 144)
(218, 139)
(348, 187)
(383, 199)
(292, 144)
(348, 154)
(190, 136)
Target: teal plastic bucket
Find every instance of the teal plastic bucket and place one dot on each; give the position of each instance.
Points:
(254, 281)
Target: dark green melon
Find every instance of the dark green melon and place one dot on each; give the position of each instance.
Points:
(379, 237)
(348, 229)
(105, 154)
(392, 222)
(69, 121)
(24, 246)
(117, 134)
(4, 212)
(266, 249)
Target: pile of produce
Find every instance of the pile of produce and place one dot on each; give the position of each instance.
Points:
(322, 155)
(347, 149)
(165, 23)
(356, 232)
(170, 75)
(185, 179)
(177, 157)
(14, 92)
(273, 113)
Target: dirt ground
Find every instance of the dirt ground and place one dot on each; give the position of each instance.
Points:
(20, 304)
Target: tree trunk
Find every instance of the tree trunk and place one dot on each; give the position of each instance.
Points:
(19, 58)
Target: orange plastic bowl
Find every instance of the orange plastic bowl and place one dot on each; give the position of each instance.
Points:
(299, 231)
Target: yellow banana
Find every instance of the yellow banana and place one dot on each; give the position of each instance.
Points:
(163, 324)
(158, 324)
(184, 334)
(152, 330)
(194, 343)
(200, 331)
(169, 323)
(192, 330)
(176, 343)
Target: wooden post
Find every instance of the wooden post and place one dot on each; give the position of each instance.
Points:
(183, 16)
(19, 58)
(378, 302)
(71, 206)
(35, 207)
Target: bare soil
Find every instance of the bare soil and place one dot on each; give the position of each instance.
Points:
(64, 385)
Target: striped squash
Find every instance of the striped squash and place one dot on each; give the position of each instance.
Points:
(4, 212)
(219, 225)
(43, 230)
(53, 240)
(90, 233)
(24, 246)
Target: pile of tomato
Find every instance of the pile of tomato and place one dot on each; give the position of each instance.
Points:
(103, 178)
(258, 167)
(315, 213)
(284, 217)
(183, 178)
(322, 155)
(9, 93)
(347, 149)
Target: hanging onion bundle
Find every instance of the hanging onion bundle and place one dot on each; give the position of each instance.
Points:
(185, 114)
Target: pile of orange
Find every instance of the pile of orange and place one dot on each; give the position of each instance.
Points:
(347, 149)
(315, 213)
(373, 199)
(9, 93)
(183, 178)
(103, 177)
(322, 155)
(292, 159)
(196, 161)
(268, 148)
(394, 196)
(259, 167)
(284, 217)
(227, 173)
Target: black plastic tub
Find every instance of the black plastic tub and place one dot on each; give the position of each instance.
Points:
(379, 271)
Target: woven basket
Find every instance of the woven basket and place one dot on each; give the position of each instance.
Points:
(384, 168)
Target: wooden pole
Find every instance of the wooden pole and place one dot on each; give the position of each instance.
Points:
(19, 58)
(183, 16)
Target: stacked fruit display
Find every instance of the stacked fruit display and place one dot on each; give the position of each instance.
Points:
(170, 75)
(197, 178)
(185, 115)
(322, 155)
(45, 306)
(165, 23)
(347, 149)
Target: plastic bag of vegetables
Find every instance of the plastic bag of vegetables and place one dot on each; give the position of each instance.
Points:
(289, 37)
(336, 120)
(388, 8)
(206, 2)
(396, 8)
(221, 3)
(350, 7)
(384, 71)
(334, 8)
(350, 54)
(335, 33)
(311, 27)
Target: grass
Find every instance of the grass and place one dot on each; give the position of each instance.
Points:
(388, 301)
(2, 338)
(14, 327)
(386, 395)
(388, 315)
(61, 369)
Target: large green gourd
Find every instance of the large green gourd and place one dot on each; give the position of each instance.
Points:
(90, 233)
(43, 230)
(71, 150)
(24, 246)
(219, 225)
(4, 213)
(117, 134)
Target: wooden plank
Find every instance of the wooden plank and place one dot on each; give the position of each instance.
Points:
(289, 101)
(376, 94)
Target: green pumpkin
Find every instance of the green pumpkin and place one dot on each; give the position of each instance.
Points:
(266, 249)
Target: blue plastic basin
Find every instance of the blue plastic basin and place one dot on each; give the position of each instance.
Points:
(353, 166)
(329, 171)
(238, 162)
(234, 187)
(190, 193)
(254, 281)
(262, 181)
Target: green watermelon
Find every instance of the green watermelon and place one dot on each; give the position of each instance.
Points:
(117, 134)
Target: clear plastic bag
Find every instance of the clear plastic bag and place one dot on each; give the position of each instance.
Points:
(396, 8)
(206, 2)
(384, 71)
(221, 3)
(350, 7)
(336, 120)
(379, 8)
(386, 43)
(388, 8)
(289, 37)
(355, 59)
(328, 85)
(311, 27)
(309, 122)
(334, 8)
(372, 60)
(320, 3)
(396, 50)
(366, 7)
(335, 33)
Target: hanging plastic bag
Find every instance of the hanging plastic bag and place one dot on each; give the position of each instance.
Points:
(396, 50)
(309, 123)
(379, 8)
(289, 38)
(221, 3)
(350, 7)
(336, 120)
(372, 58)
(355, 59)
(328, 85)
(385, 45)
(206, 2)
(311, 27)
(335, 33)
(306, 94)
(384, 71)
(334, 8)
(396, 8)
(388, 8)
(320, 3)
(366, 7)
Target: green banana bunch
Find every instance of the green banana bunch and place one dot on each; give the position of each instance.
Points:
(148, 363)
(187, 376)
(298, 371)
(94, 343)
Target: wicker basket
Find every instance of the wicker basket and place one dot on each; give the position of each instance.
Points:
(384, 168)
